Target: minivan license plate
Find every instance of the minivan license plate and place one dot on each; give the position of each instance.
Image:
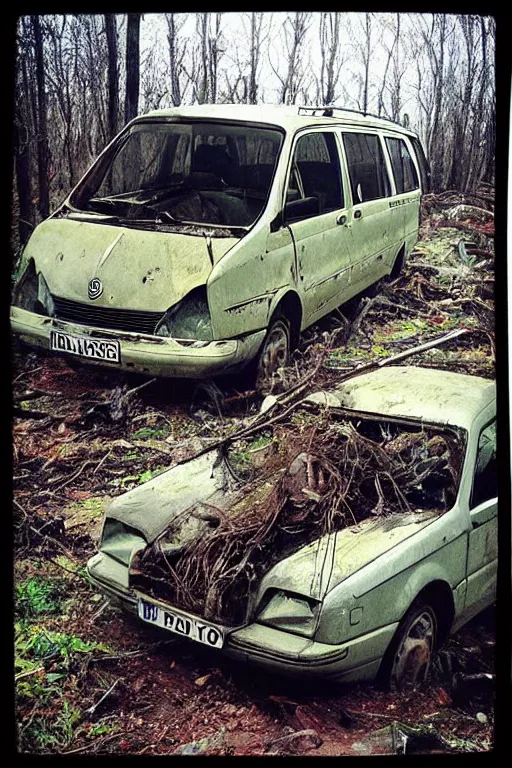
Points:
(186, 626)
(85, 346)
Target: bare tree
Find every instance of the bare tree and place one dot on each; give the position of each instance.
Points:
(42, 144)
(113, 74)
(332, 58)
(177, 51)
(294, 32)
(258, 35)
(24, 131)
(131, 103)
(209, 32)
(366, 50)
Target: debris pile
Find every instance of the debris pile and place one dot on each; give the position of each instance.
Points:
(328, 473)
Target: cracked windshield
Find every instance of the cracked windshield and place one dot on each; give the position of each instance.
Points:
(204, 173)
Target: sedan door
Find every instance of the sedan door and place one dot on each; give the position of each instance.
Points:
(483, 536)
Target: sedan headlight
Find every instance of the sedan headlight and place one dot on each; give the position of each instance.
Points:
(188, 319)
(32, 292)
(289, 612)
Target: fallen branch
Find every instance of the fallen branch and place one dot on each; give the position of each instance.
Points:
(20, 675)
(91, 710)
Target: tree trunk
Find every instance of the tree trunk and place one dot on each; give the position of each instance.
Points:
(113, 78)
(22, 166)
(42, 144)
(254, 53)
(131, 104)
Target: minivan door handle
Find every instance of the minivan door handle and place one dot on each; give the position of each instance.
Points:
(358, 214)
(341, 219)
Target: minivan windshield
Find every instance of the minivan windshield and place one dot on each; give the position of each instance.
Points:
(185, 172)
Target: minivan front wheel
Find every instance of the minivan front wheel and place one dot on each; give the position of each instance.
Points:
(274, 353)
(408, 659)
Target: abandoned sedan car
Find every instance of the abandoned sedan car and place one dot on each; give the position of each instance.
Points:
(367, 535)
(206, 237)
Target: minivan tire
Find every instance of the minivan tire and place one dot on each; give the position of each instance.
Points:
(407, 661)
(274, 353)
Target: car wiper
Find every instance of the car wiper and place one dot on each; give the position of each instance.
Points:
(169, 216)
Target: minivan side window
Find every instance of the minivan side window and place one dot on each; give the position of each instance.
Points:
(485, 479)
(366, 166)
(406, 177)
(316, 172)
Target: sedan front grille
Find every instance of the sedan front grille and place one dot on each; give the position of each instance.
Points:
(132, 320)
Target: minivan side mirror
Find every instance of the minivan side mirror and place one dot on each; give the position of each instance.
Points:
(301, 209)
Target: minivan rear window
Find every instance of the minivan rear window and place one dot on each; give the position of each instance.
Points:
(406, 177)
(366, 166)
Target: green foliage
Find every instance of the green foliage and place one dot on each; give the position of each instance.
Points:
(100, 729)
(37, 596)
(260, 442)
(149, 432)
(41, 733)
(143, 477)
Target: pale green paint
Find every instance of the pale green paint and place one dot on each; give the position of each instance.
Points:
(365, 576)
(140, 270)
(321, 262)
(424, 393)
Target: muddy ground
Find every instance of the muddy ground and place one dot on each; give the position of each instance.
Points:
(92, 680)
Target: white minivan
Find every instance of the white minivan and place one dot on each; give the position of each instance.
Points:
(206, 237)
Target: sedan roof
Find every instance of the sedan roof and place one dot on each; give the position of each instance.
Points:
(435, 396)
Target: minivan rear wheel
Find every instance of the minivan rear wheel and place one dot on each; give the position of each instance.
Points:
(407, 661)
(274, 353)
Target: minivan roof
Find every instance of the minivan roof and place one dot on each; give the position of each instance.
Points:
(287, 117)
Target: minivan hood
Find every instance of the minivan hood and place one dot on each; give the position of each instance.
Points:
(139, 269)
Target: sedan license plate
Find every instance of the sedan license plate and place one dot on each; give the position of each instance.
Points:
(186, 626)
(85, 346)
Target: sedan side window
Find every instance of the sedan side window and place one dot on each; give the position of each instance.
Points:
(485, 484)
(316, 172)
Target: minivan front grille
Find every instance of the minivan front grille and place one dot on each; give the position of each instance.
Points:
(131, 320)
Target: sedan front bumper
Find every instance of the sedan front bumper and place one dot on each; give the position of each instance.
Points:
(143, 353)
(277, 651)
(282, 652)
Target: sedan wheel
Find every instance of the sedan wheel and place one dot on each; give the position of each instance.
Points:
(413, 648)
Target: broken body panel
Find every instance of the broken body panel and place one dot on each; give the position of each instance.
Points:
(331, 607)
(130, 252)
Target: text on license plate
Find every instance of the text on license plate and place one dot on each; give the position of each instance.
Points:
(186, 626)
(85, 346)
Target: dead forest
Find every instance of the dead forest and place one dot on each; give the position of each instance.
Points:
(81, 78)
(91, 680)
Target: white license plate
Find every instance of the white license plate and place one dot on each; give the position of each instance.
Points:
(186, 626)
(85, 346)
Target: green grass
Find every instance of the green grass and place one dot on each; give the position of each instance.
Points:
(38, 596)
(149, 432)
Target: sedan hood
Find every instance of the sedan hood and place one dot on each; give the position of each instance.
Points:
(139, 269)
(318, 567)
(152, 507)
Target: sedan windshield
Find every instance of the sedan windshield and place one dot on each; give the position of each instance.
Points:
(178, 172)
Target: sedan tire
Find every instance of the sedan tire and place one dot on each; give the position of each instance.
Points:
(406, 663)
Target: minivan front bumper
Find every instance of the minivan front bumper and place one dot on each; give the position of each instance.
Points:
(142, 353)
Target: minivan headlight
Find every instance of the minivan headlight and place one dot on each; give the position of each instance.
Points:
(289, 612)
(32, 292)
(188, 319)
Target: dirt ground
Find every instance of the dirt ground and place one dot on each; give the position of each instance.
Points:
(92, 680)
